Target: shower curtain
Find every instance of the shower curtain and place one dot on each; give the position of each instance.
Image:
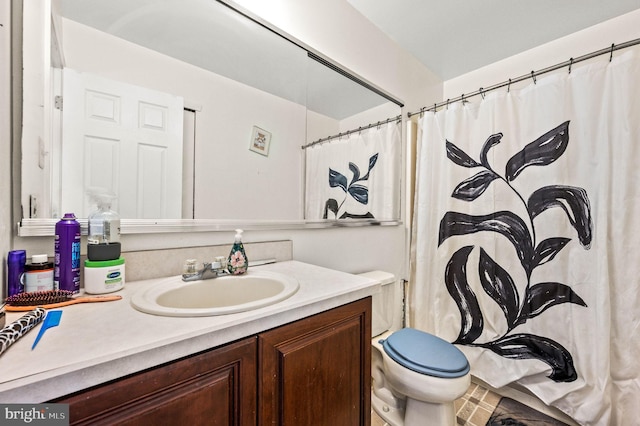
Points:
(355, 176)
(526, 232)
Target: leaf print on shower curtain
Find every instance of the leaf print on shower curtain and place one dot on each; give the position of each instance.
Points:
(497, 282)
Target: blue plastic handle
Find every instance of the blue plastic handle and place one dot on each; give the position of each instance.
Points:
(51, 320)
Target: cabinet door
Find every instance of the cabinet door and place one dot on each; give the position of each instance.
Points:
(217, 387)
(317, 371)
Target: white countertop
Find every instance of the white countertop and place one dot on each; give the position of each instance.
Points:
(98, 342)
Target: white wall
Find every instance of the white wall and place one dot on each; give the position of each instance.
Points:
(5, 136)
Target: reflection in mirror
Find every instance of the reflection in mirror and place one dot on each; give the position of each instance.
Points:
(352, 168)
(160, 103)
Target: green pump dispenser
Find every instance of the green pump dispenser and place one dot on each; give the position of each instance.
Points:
(237, 263)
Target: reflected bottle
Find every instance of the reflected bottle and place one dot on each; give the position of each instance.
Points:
(103, 240)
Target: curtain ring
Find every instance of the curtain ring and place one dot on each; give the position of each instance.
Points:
(533, 77)
(378, 126)
(435, 108)
(447, 103)
(570, 64)
(509, 86)
(481, 92)
(611, 54)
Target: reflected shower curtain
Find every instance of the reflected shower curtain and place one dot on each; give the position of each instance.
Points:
(356, 176)
(526, 238)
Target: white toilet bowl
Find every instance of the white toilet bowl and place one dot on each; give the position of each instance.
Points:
(402, 396)
(416, 376)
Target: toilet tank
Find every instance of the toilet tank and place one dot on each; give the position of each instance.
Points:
(383, 303)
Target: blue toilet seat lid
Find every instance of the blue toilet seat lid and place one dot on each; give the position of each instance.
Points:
(426, 354)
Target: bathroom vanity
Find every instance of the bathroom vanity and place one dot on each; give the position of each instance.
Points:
(312, 371)
(305, 360)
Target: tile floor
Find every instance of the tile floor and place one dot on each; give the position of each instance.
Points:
(376, 420)
(472, 409)
(475, 406)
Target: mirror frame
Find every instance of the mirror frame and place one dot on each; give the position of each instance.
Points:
(27, 227)
(46, 227)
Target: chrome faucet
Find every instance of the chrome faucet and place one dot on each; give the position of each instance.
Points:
(215, 269)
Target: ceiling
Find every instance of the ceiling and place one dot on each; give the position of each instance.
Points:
(453, 37)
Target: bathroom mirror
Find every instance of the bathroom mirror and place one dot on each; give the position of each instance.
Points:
(221, 105)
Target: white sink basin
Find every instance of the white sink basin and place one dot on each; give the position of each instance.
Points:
(218, 296)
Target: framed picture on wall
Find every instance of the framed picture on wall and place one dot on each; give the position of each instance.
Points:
(260, 141)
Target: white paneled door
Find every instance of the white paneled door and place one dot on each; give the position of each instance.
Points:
(125, 138)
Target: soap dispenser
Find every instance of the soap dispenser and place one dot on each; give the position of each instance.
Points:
(237, 263)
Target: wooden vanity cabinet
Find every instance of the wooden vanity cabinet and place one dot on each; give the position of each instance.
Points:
(314, 371)
(216, 387)
(317, 371)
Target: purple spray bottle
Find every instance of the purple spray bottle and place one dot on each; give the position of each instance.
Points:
(66, 274)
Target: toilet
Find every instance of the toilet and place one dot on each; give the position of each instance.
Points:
(416, 376)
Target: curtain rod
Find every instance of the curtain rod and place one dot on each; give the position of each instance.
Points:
(531, 75)
(348, 132)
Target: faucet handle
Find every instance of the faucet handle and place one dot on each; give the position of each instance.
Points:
(190, 268)
(221, 261)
